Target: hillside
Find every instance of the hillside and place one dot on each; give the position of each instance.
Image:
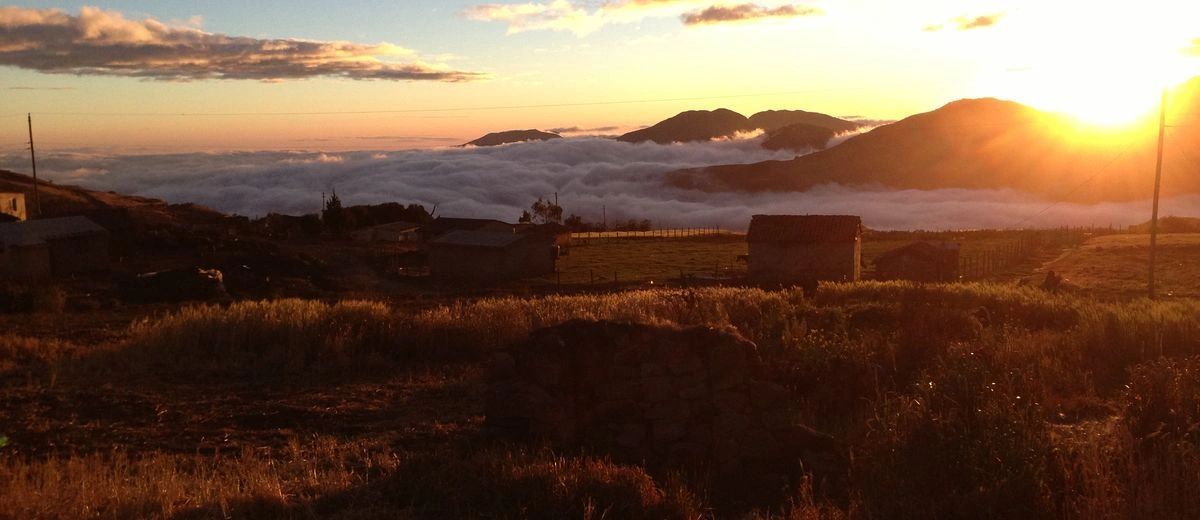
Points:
(693, 125)
(513, 136)
(62, 200)
(775, 119)
(703, 125)
(800, 137)
(980, 144)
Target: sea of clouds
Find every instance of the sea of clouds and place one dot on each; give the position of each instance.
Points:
(589, 174)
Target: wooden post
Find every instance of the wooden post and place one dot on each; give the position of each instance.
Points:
(1162, 129)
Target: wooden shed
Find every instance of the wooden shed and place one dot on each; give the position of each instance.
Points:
(805, 249)
(491, 255)
(39, 249)
(920, 262)
(12, 207)
(390, 232)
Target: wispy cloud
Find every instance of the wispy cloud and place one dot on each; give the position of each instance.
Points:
(581, 18)
(745, 12)
(966, 23)
(26, 87)
(105, 43)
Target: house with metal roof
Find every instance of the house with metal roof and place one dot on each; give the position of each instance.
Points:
(805, 249)
(56, 247)
(12, 207)
(487, 255)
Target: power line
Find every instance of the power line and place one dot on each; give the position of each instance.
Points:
(446, 109)
(1076, 188)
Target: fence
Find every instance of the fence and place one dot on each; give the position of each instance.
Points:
(587, 237)
(979, 264)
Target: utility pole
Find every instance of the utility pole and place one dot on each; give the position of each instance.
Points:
(604, 212)
(37, 200)
(1162, 130)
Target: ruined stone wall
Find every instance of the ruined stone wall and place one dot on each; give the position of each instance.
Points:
(661, 395)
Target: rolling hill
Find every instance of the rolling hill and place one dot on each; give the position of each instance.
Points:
(513, 136)
(703, 125)
(984, 144)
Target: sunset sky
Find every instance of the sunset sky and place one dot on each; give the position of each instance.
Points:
(358, 74)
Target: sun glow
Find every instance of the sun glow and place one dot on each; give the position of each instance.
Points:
(1105, 67)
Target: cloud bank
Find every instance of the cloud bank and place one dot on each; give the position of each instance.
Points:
(588, 173)
(105, 43)
(576, 16)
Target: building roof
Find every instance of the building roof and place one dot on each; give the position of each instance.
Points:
(34, 232)
(444, 224)
(923, 250)
(485, 239)
(804, 228)
(397, 226)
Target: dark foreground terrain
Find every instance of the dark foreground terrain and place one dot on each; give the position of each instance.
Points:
(956, 401)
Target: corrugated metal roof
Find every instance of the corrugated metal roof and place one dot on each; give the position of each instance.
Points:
(804, 228)
(34, 232)
(489, 239)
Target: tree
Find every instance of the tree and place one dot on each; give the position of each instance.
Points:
(543, 212)
(335, 217)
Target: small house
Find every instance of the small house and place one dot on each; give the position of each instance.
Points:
(805, 249)
(920, 262)
(442, 225)
(491, 255)
(391, 232)
(40, 249)
(12, 207)
(560, 234)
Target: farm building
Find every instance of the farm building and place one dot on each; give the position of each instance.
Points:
(442, 225)
(12, 207)
(559, 233)
(390, 232)
(491, 255)
(805, 249)
(39, 249)
(919, 261)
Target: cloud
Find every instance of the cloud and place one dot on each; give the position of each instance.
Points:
(966, 23)
(576, 16)
(24, 87)
(588, 174)
(745, 12)
(105, 43)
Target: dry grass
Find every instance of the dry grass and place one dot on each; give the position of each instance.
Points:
(955, 401)
(1118, 265)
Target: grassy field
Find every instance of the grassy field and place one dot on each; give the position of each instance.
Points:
(668, 259)
(1118, 265)
(955, 401)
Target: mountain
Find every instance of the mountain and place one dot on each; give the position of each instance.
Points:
(775, 119)
(799, 137)
(693, 125)
(985, 144)
(513, 136)
(703, 125)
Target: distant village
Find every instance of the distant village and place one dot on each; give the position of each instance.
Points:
(783, 250)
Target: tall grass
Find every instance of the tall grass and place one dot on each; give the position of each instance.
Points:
(326, 478)
(956, 401)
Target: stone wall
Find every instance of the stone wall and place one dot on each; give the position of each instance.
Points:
(660, 395)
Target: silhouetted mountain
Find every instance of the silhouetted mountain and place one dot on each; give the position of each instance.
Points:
(984, 144)
(513, 136)
(799, 137)
(693, 125)
(776, 119)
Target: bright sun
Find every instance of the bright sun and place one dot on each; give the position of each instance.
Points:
(1102, 70)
